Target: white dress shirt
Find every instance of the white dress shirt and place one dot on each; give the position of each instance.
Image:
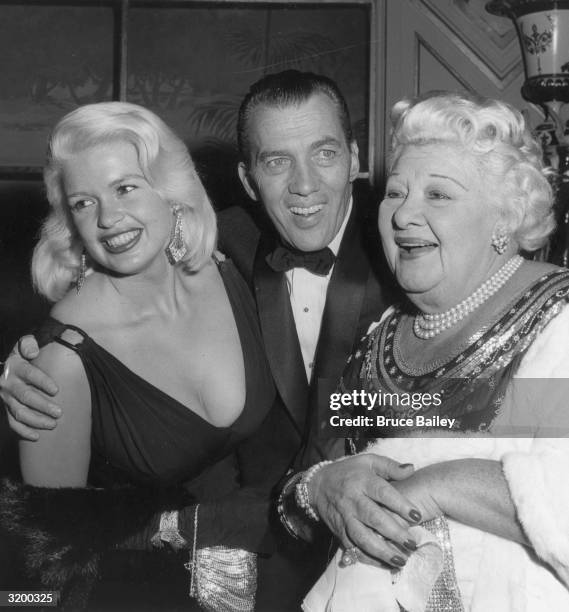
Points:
(307, 292)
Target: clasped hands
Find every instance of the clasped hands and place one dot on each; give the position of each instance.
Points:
(370, 502)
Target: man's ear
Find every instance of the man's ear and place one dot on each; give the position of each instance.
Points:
(355, 161)
(247, 182)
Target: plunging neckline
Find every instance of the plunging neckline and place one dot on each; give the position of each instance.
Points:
(225, 270)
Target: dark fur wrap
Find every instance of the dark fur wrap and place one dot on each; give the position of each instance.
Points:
(61, 533)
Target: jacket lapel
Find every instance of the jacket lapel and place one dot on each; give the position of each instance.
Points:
(280, 337)
(345, 298)
(344, 301)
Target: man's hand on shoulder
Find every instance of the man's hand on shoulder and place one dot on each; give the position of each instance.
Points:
(27, 392)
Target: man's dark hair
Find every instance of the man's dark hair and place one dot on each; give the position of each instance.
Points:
(288, 88)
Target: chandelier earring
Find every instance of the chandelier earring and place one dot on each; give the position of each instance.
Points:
(500, 240)
(176, 249)
(82, 271)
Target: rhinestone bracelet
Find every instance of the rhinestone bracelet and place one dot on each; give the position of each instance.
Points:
(169, 532)
(301, 490)
(282, 502)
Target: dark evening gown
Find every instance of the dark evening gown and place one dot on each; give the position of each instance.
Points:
(143, 438)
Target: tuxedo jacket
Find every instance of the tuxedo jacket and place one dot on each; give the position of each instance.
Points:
(290, 436)
(355, 298)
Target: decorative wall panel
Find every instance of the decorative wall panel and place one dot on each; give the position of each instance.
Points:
(490, 39)
(444, 44)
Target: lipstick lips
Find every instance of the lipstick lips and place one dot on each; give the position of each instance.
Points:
(119, 243)
(415, 246)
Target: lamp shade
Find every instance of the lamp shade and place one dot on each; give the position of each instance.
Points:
(543, 31)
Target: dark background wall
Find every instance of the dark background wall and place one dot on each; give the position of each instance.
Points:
(22, 206)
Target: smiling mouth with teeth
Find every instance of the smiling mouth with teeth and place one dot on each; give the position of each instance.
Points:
(411, 247)
(414, 245)
(305, 211)
(122, 239)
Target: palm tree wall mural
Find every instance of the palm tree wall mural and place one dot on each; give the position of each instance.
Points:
(192, 64)
(265, 53)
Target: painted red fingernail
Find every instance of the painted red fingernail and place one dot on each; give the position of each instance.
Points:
(397, 560)
(410, 545)
(415, 515)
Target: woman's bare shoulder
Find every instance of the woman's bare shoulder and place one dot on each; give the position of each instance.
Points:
(55, 358)
(61, 455)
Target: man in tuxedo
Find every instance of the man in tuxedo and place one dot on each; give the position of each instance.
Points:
(317, 288)
(314, 277)
(315, 269)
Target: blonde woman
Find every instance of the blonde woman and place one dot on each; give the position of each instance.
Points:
(153, 343)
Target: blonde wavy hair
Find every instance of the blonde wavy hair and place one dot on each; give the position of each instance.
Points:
(166, 164)
(497, 135)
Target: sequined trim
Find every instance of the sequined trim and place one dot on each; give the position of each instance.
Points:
(470, 383)
(226, 579)
(514, 331)
(445, 596)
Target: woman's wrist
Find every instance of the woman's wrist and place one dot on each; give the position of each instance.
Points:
(471, 491)
(306, 488)
(297, 503)
(423, 489)
(291, 516)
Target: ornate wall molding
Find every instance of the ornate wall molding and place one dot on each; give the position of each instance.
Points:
(422, 47)
(489, 41)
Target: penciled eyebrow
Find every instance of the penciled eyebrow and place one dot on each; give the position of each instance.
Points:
(114, 183)
(449, 178)
(443, 176)
(124, 178)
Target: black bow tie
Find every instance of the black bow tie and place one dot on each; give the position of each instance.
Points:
(285, 258)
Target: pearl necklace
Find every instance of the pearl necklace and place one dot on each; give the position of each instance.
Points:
(429, 325)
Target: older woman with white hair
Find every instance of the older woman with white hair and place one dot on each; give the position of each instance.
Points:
(154, 346)
(482, 337)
